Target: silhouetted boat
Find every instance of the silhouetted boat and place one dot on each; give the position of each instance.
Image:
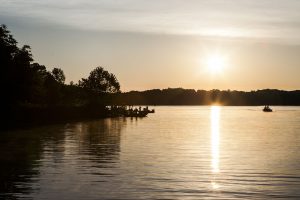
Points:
(136, 114)
(267, 109)
(151, 111)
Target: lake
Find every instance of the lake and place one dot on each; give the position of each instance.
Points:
(180, 152)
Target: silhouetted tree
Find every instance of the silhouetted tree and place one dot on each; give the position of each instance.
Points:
(53, 92)
(15, 68)
(37, 83)
(100, 81)
(58, 75)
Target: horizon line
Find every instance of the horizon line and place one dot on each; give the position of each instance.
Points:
(224, 90)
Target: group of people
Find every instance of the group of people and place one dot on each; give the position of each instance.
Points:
(129, 111)
(136, 110)
(267, 109)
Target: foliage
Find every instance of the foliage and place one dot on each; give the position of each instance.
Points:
(15, 65)
(100, 81)
(58, 75)
(26, 85)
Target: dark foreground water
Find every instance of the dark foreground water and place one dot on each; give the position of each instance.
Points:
(176, 153)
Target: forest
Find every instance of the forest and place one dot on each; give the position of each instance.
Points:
(33, 94)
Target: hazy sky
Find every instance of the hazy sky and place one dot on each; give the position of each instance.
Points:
(164, 43)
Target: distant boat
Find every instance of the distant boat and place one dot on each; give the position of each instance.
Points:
(267, 109)
(136, 114)
(151, 111)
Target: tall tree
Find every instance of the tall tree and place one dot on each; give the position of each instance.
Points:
(58, 75)
(100, 81)
(15, 68)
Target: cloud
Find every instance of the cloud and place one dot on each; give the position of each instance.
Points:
(276, 19)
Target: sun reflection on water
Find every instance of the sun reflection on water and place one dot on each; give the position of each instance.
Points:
(215, 140)
(215, 117)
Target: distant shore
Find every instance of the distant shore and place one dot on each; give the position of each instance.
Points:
(180, 96)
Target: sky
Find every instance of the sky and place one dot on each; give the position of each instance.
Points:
(164, 43)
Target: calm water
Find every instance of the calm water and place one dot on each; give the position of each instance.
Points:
(176, 153)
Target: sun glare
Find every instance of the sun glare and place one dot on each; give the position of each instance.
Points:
(215, 64)
(215, 116)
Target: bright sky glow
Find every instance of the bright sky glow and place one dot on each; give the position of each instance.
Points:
(215, 64)
(165, 43)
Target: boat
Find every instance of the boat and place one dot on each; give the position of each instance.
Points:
(151, 111)
(136, 114)
(116, 111)
(267, 109)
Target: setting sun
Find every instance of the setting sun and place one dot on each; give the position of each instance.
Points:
(215, 63)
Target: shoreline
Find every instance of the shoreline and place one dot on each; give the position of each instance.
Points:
(56, 115)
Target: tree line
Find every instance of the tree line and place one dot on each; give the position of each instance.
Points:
(180, 96)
